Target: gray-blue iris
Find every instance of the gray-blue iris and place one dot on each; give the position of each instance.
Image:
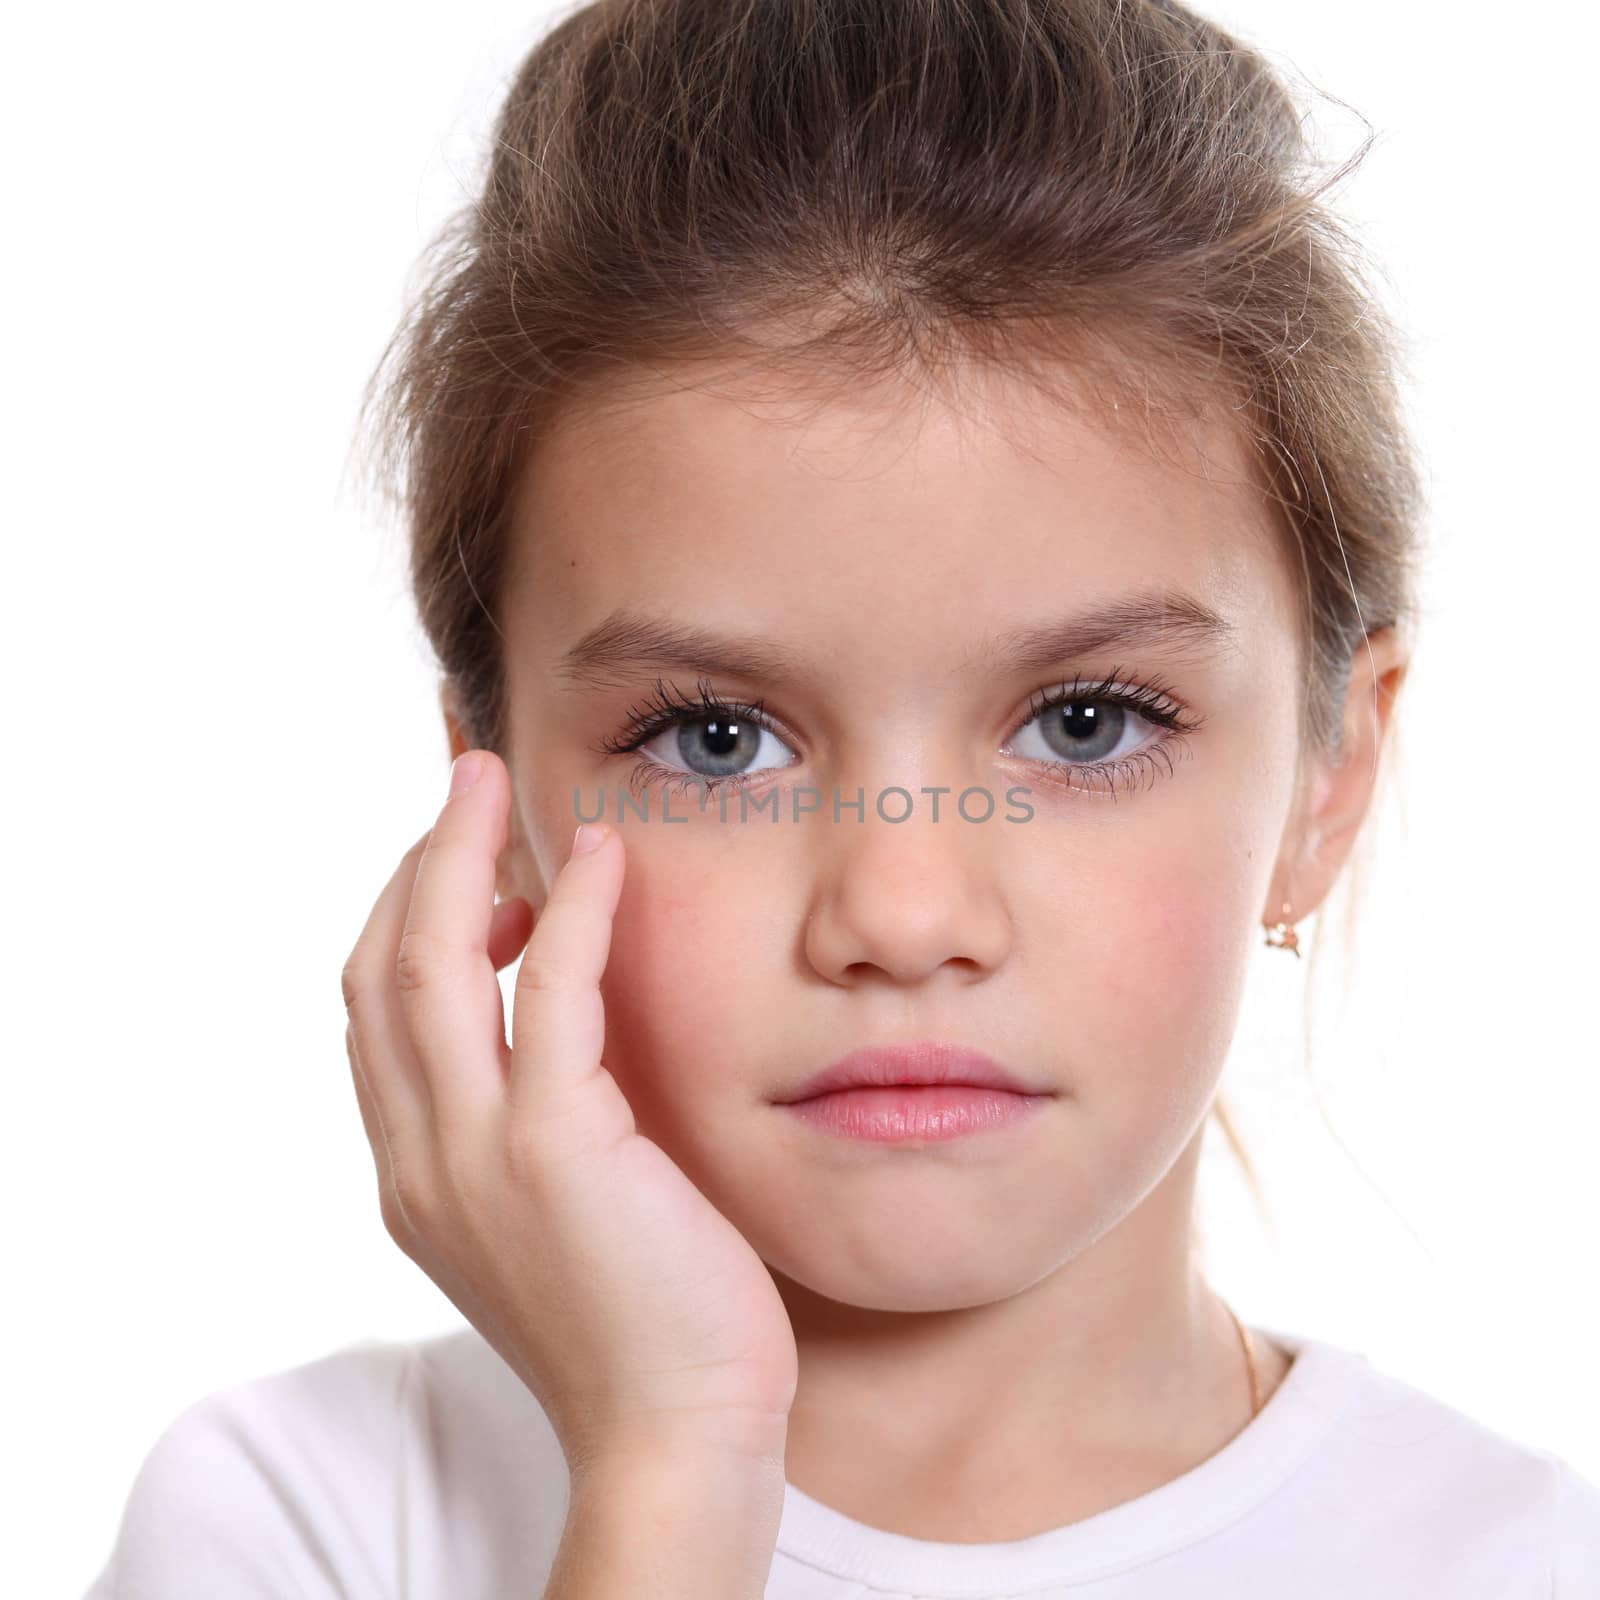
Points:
(1085, 729)
(731, 744)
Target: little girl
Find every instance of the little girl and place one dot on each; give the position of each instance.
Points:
(923, 483)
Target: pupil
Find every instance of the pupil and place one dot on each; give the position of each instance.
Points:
(717, 747)
(1081, 732)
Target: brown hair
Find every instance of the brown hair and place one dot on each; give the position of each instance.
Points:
(1115, 190)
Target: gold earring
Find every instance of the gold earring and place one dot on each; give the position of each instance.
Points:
(1281, 936)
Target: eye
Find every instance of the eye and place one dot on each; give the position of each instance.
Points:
(1091, 732)
(1079, 729)
(719, 746)
(720, 743)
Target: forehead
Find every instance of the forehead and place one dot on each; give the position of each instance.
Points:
(878, 520)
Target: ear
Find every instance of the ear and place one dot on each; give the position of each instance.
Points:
(1336, 792)
(513, 877)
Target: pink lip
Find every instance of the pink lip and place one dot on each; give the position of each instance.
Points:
(922, 1112)
(911, 1066)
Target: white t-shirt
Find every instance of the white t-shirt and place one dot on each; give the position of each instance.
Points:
(419, 1471)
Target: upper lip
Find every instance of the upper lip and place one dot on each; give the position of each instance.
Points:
(925, 1062)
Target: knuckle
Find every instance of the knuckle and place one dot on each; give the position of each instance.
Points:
(527, 1154)
(543, 974)
(351, 982)
(416, 961)
(458, 1176)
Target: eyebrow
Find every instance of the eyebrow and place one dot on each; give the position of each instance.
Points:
(1152, 619)
(628, 641)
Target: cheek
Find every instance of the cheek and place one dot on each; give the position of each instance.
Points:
(683, 1009)
(1183, 950)
(1147, 964)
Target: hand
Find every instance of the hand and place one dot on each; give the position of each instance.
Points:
(640, 1318)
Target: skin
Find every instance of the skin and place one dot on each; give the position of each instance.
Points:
(1001, 1334)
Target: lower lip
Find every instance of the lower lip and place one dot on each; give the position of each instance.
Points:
(923, 1113)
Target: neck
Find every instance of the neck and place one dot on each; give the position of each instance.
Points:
(1118, 1367)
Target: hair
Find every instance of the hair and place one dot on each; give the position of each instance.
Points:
(1113, 198)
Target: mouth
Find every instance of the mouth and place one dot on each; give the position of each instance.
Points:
(919, 1065)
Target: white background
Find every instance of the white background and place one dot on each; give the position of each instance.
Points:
(224, 730)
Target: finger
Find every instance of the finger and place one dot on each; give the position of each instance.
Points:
(391, 1073)
(558, 1016)
(372, 1122)
(448, 992)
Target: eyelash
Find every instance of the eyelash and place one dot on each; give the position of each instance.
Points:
(666, 707)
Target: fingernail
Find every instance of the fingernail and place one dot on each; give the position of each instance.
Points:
(590, 836)
(465, 771)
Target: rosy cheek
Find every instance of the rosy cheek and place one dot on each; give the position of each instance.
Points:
(1182, 958)
(671, 981)
(1133, 975)
(653, 939)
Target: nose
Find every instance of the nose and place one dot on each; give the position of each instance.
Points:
(902, 900)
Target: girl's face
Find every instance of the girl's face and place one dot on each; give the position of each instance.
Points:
(892, 555)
